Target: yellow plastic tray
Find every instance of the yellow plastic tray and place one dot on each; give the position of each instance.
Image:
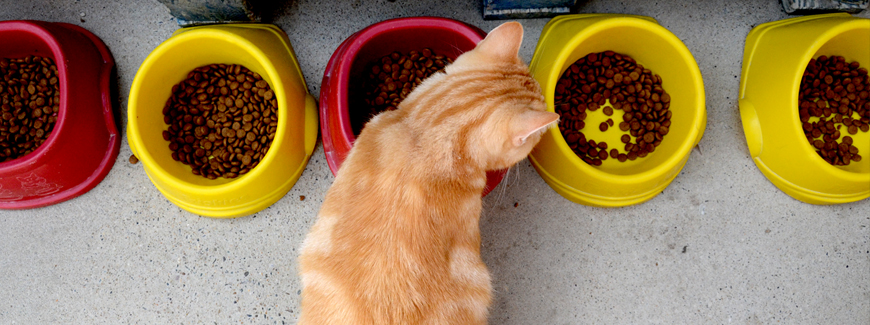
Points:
(774, 61)
(262, 48)
(568, 38)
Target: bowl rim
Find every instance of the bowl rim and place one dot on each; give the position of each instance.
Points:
(43, 152)
(805, 147)
(182, 36)
(671, 163)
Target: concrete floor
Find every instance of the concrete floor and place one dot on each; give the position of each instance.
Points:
(720, 245)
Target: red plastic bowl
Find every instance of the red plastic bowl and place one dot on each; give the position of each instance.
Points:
(444, 36)
(84, 143)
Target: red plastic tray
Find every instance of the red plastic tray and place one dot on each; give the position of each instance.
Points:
(84, 143)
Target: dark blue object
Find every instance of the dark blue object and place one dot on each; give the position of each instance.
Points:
(800, 7)
(201, 12)
(513, 9)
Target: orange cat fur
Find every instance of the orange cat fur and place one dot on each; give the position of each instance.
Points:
(397, 239)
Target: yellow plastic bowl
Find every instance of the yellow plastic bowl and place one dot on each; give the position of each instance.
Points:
(774, 60)
(263, 49)
(568, 38)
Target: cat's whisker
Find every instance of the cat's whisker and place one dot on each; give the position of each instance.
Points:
(502, 186)
(507, 174)
(456, 49)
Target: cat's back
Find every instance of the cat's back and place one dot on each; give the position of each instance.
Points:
(370, 258)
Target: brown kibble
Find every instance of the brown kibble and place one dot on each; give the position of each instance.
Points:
(592, 152)
(397, 74)
(847, 140)
(221, 121)
(133, 159)
(831, 89)
(592, 57)
(665, 98)
(589, 84)
(614, 153)
(27, 95)
(663, 130)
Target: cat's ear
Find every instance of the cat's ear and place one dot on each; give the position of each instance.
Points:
(503, 42)
(531, 122)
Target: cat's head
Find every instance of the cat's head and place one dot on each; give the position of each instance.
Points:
(488, 100)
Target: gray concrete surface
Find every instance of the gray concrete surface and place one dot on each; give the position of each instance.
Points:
(721, 245)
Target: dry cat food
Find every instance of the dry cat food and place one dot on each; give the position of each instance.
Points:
(30, 99)
(222, 120)
(833, 102)
(611, 78)
(392, 78)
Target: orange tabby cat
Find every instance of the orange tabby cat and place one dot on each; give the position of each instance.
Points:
(397, 240)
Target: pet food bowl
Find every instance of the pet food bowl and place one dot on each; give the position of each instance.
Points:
(345, 69)
(84, 142)
(774, 60)
(564, 40)
(262, 48)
